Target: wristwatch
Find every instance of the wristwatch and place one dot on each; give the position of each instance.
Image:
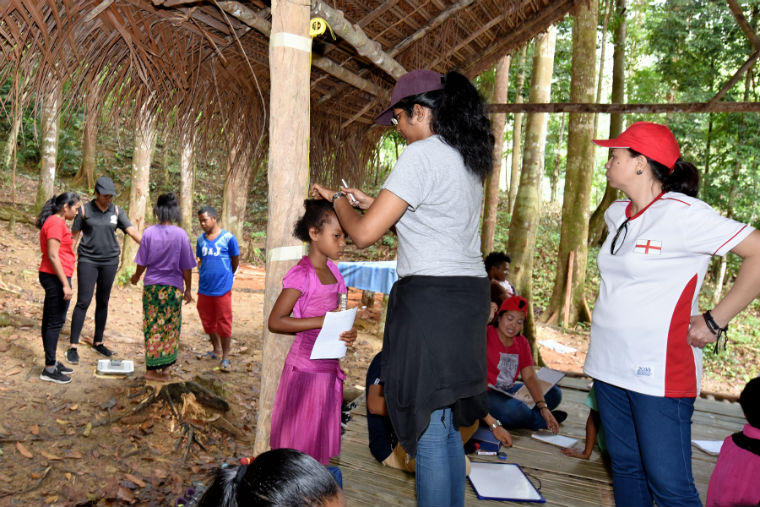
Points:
(337, 195)
(495, 425)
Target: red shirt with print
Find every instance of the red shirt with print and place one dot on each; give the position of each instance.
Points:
(520, 347)
(55, 228)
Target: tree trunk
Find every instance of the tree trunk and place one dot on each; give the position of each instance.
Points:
(139, 188)
(236, 191)
(514, 175)
(557, 159)
(187, 177)
(597, 228)
(51, 107)
(86, 173)
(578, 177)
(288, 178)
(527, 211)
(10, 144)
(498, 122)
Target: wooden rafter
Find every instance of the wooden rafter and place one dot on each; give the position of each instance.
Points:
(736, 10)
(682, 107)
(434, 23)
(355, 36)
(736, 77)
(250, 18)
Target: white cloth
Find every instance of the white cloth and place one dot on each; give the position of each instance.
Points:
(649, 291)
(439, 234)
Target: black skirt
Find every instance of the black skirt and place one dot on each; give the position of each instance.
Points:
(434, 352)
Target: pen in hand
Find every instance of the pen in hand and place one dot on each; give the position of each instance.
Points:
(351, 199)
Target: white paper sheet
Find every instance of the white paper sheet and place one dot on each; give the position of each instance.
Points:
(558, 440)
(547, 378)
(502, 481)
(328, 344)
(711, 447)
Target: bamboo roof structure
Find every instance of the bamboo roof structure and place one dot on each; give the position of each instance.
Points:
(205, 63)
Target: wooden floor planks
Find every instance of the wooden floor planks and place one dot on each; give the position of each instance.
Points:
(564, 481)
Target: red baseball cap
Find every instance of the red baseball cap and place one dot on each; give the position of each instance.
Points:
(412, 83)
(653, 140)
(515, 304)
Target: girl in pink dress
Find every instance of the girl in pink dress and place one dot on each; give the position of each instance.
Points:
(306, 412)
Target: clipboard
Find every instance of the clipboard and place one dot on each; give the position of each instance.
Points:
(502, 482)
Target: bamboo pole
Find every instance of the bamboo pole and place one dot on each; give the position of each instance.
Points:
(288, 177)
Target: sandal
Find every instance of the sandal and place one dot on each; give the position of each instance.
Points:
(225, 365)
(209, 355)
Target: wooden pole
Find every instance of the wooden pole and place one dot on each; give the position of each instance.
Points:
(288, 178)
(568, 289)
(683, 107)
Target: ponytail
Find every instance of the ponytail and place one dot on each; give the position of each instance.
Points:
(684, 177)
(54, 205)
(461, 120)
(459, 117)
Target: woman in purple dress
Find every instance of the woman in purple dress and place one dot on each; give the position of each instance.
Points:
(306, 412)
(166, 257)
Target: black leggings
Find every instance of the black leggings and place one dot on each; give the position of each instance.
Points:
(53, 314)
(88, 275)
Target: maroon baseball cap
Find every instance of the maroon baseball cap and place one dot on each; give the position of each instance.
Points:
(412, 83)
(515, 304)
(653, 140)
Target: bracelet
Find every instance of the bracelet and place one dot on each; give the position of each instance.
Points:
(716, 330)
(338, 195)
(495, 425)
(539, 404)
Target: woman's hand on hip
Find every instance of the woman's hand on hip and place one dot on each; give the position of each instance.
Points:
(699, 335)
(319, 192)
(551, 422)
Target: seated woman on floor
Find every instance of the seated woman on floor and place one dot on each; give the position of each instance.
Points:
(508, 354)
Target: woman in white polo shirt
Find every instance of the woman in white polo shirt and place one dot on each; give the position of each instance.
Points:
(647, 332)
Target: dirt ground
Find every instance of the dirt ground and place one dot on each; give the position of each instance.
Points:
(59, 444)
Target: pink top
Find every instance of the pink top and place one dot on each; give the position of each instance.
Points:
(505, 363)
(736, 478)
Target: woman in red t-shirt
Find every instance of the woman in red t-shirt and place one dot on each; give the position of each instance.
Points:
(508, 354)
(56, 268)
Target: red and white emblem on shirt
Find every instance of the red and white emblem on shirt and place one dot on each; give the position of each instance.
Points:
(648, 247)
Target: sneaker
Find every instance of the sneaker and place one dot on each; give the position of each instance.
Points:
(72, 356)
(56, 376)
(102, 349)
(225, 365)
(559, 415)
(63, 369)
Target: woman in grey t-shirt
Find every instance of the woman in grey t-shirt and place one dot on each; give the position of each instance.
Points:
(434, 345)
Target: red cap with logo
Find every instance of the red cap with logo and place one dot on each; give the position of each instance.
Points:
(515, 304)
(653, 140)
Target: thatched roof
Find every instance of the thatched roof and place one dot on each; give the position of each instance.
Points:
(207, 61)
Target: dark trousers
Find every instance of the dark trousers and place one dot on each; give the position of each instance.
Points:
(88, 277)
(53, 314)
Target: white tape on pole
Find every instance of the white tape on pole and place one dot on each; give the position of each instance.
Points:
(290, 40)
(285, 253)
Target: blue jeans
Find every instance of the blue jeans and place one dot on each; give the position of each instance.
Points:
(649, 441)
(515, 414)
(440, 466)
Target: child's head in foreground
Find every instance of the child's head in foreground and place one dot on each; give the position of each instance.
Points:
(276, 478)
(749, 399)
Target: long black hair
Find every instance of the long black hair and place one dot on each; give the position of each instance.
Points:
(54, 205)
(315, 216)
(684, 178)
(167, 209)
(459, 117)
(276, 478)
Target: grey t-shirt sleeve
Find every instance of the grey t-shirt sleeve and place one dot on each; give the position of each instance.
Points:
(123, 220)
(407, 179)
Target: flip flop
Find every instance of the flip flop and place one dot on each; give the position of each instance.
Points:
(209, 355)
(225, 365)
